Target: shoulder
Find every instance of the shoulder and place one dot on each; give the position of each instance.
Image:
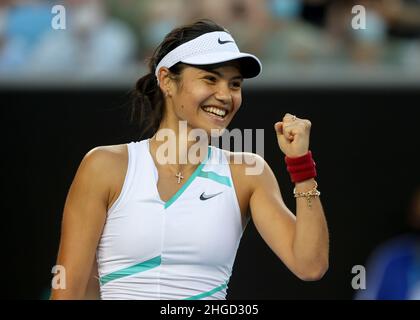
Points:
(103, 169)
(245, 160)
(250, 167)
(105, 162)
(106, 156)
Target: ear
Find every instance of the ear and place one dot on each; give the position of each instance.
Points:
(165, 81)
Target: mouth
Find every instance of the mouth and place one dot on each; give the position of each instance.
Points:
(215, 112)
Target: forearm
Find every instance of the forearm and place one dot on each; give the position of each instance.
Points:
(310, 243)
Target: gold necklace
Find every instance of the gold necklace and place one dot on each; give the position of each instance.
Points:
(179, 176)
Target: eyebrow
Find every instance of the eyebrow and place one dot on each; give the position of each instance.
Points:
(221, 75)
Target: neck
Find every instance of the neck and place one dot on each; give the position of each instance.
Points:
(171, 147)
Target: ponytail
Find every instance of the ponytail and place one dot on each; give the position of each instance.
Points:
(148, 104)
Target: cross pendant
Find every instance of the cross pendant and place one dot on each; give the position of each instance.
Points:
(179, 176)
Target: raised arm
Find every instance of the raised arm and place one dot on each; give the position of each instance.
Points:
(300, 241)
(83, 220)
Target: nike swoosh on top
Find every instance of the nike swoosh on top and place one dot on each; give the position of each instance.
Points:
(223, 42)
(206, 197)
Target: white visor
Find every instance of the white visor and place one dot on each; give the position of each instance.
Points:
(211, 48)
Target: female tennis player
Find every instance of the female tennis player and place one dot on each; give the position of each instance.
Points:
(152, 229)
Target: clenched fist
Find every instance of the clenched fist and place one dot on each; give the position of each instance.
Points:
(293, 135)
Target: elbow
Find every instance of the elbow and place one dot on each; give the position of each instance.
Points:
(314, 273)
(66, 294)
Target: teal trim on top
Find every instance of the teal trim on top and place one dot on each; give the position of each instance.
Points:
(140, 267)
(189, 181)
(216, 177)
(207, 294)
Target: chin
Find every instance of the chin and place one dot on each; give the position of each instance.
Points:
(213, 130)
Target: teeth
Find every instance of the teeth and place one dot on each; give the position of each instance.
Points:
(217, 111)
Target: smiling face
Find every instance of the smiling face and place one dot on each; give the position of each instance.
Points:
(206, 99)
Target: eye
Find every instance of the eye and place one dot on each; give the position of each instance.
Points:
(236, 84)
(210, 78)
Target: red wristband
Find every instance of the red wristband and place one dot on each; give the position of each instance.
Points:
(301, 168)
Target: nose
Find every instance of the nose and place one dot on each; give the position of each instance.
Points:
(223, 93)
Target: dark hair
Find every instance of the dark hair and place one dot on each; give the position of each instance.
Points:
(148, 101)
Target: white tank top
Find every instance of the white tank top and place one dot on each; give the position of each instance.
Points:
(180, 249)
